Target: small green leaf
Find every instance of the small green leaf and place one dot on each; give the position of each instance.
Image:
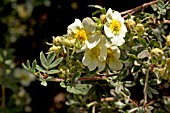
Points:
(44, 83)
(154, 91)
(142, 41)
(55, 63)
(53, 71)
(24, 66)
(28, 65)
(43, 60)
(79, 89)
(143, 54)
(92, 90)
(76, 76)
(129, 83)
(34, 63)
(132, 56)
(152, 43)
(96, 6)
(50, 57)
(62, 84)
(41, 69)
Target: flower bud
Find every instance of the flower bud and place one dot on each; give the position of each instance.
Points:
(67, 42)
(157, 52)
(140, 28)
(55, 48)
(57, 40)
(103, 18)
(130, 23)
(167, 38)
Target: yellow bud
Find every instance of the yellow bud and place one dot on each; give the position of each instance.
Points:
(140, 28)
(57, 40)
(67, 42)
(130, 23)
(158, 52)
(103, 18)
(55, 48)
(167, 38)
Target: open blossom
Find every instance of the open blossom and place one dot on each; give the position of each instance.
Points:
(96, 56)
(113, 55)
(115, 28)
(84, 32)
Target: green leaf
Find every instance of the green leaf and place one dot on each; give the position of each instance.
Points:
(96, 6)
(28, 65)
(123, 74)
(79, 89)
(75, 77)
(154, 91)
(142, 41)
(133, 56)
(43, 60)
(143, 54)
(129, 83)
(24, 66)
(34, 63)
(152, 43)
(53, 71)
(41, 69)
(62, 84)
(55, 63)
(50, 57)
(44, 83)
(92, 90)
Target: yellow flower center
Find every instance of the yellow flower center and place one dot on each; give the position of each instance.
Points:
(95, 52)
(115, 26)
(80, 35)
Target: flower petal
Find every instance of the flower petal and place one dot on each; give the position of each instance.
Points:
(86, 59)
(93, 64)
(89, 25)
(93, 40)
(101, 66)
(115, 64)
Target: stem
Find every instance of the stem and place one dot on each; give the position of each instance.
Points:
(3, 96)
(131, 11)
(129, 99)
(145, 90)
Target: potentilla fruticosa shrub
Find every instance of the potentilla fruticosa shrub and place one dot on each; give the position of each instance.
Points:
(112, 62)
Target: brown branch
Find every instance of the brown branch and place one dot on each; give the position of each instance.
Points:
(82, 78)
(129, 99)
(131, 11)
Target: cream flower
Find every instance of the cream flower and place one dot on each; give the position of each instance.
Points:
(25, 77)
(115, 28)
(84, 32)
(96, 57)
(113, 55)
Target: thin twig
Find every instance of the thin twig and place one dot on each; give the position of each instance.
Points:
(145, 90)
(3, 96)
(131, 11)
(129, 99)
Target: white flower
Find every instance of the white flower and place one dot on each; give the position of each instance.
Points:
(115, 28)
(84, 33)
(25, 77)
(113, 55)
(96, 57)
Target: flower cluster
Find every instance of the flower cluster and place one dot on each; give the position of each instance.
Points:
(99, 42)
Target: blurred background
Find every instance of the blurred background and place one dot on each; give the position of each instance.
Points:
(26, 26)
